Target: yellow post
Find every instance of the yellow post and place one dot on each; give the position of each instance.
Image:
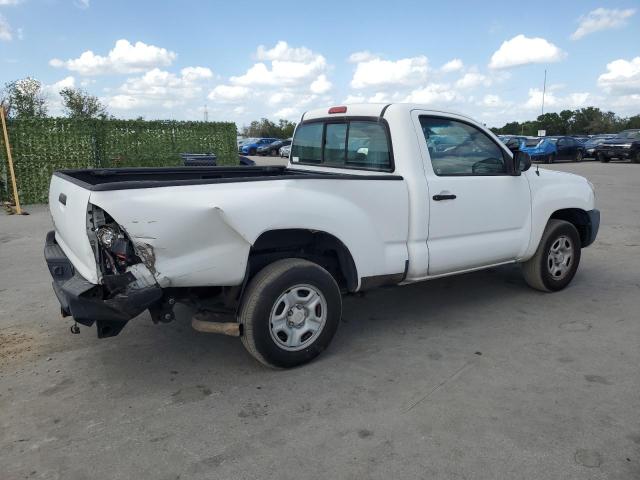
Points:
(11, 172)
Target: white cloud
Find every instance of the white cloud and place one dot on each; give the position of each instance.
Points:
(320, 85)
(551, 100)
(472, 80)
(280, 97)
(452, 66)
(434, 93)
(123, 58)
(84, 4)
(377, 72)
(290, 67)
(10, 2)
(363, 56)
(282, 51)
(354, 99)
(493, 101)
(194, 74)
(521, 50)
(52, 94)
(287, 112)
(284, 77)
(5, 30)
(622, 77)
(160, 89)
(379, 97)
(228, 93)
(601, 19)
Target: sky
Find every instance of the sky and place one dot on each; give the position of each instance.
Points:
(240, 61)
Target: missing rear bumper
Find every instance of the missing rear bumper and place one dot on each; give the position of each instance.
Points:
(88, 303)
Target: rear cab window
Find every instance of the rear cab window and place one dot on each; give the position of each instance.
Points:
(361, 144)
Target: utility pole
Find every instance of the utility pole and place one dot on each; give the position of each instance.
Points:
(544, 90)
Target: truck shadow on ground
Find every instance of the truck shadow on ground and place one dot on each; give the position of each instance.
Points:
(369, 318)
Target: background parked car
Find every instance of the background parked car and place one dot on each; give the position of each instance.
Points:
(273, 148)
(285, 151)
(250, 147)
(591, 144)
(540, 149)
(625, 145)
(567, 148)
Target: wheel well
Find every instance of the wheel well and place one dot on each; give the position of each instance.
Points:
(316, 246)
(578, 218)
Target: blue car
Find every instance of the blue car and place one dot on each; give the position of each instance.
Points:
(539, 149)
(251, 145)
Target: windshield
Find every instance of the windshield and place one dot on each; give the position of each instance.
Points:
(596, 140)
(553, 140)
(628, 135)
(532, 142)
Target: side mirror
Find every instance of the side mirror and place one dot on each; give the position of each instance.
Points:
(521, 162)
(513, 144)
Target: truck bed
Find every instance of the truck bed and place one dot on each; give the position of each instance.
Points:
(102, 179)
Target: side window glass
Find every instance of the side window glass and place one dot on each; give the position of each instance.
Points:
(308, 143)
(335, 142)
(368, 146)
(457, 148)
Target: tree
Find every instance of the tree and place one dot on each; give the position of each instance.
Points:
(79, 104)
(266, 128)
(552, 123)
(589, 120)
(24, 99)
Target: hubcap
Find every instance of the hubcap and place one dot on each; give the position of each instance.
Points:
(560, 257)
(298, 317)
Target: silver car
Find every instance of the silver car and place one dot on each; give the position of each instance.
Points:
(285, 151)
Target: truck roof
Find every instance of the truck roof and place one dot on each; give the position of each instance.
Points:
(373, 110)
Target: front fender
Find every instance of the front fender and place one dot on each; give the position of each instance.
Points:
(552, 191)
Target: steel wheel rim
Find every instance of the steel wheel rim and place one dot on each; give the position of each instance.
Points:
(298, 317)
(560, 258)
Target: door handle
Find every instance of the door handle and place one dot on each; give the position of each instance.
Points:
(441, 196)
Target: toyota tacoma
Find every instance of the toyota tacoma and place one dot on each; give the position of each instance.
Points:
(373, 195)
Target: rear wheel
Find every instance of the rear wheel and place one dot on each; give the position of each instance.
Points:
(579, 156)
(636, 158)
(290, 312)
(557, 258)
(603, 158)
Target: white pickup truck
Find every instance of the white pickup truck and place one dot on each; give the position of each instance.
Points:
(373, 195)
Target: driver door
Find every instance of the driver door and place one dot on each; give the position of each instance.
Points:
(480, 214)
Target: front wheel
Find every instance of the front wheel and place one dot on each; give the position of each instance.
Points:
(636, 158)
(556, 260)
(290, 312)
(578, 157)
(551, 158)
(603, 158)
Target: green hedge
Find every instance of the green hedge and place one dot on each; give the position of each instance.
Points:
(42, 145)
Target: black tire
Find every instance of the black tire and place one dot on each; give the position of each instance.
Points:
(260, 300)
(603, 158)
(252, 151)
(537, 270)
(636, 158)
(551, 158)
(579, 156)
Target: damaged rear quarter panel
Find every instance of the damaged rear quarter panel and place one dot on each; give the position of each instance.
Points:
(182, 240)
(201, 235)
